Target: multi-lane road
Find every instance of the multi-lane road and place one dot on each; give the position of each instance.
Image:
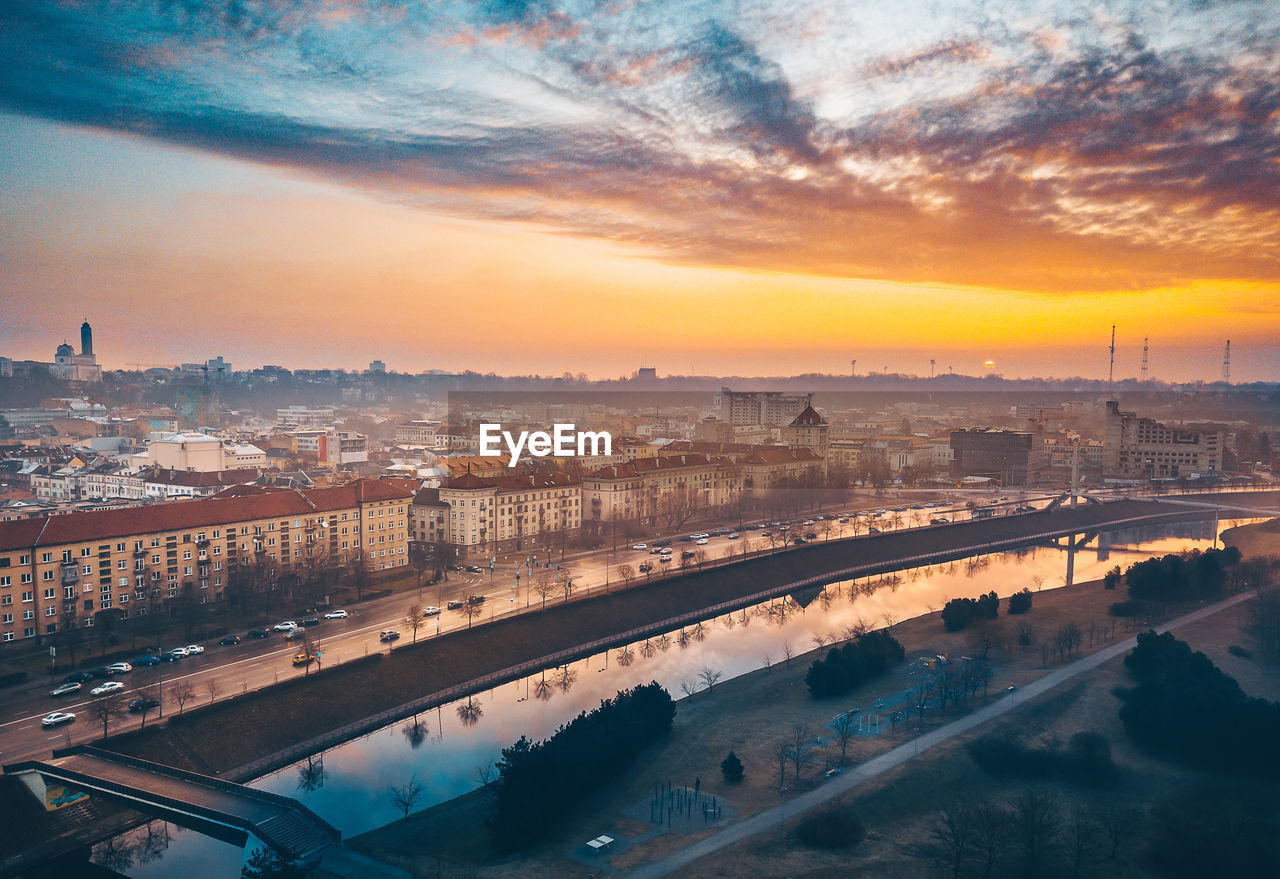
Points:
(224, 671)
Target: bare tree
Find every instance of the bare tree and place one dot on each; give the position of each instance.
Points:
(214, 688)
(543, 585)
(690, 686)
(845, 725)
(953, 835)
(709, 676)
(1081, 834)
(782, 754)
(471, 610)
(766, 660)
(106, 709)
(145, 698)
(788, 652)
(485, 774)
(890, 618)
(1036, 825)
(991, 835)
(413, 619)
(819, 640)
(406, 796)
(627, 573)
(1118, 823)
(800, 745)
(181, 691)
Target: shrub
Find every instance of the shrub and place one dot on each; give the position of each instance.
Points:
(1237, 650)
(959, 612)
(1086, 760)
(1128, 609)
(834, 827)
(731, 768)
(852, 664)
(1020, 602)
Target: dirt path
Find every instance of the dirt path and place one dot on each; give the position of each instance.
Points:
(896, 757)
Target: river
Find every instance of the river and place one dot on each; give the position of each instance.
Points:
(445, 750)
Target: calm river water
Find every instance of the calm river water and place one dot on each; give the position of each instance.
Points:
(444, 749)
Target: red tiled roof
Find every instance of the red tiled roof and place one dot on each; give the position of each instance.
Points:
(108, 524)
(641, 466)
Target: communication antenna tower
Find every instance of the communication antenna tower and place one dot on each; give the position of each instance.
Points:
(853, 368)
(931, 364)
(1111, 372)
(1226, 363)
(1144, 358)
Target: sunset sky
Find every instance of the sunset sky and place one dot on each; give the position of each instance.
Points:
(728, 187)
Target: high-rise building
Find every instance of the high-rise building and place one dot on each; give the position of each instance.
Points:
(1144, 448)
(760, 407)
(1010, 456)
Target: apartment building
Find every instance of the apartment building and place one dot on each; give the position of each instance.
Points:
(81, 564)
(638, 489)
(1145, 448)
(485, 515)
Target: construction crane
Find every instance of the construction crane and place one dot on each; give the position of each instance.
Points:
(1111, 372)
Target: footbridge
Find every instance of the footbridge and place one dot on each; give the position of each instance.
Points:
(210, 805)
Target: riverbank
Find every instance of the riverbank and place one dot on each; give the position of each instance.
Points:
(749, 715)
(219, 738)
(753, 713)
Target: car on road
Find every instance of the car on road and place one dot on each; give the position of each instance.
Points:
(734, 535)
(307, 622)
(702, 541)
(294, 635)
(645, 567)
(119, 668)
(431, 611)
(304, 658)
(145, 659)
(108, 687)
(388, 635)
(146, 703)
(799, 541)
(688, 554)
(286, 626)
(336, 615)
(476, 599)
(194, 649)
(474, 569)
(259, 633)
(230, 640)
(453, 566)
(873, 530)
(66, 689)
(100, 672)
(58, 717)
(180, 651)
(456, 604)
(640, 546)
(938, 520)
(171, 657)
(663, 542)
(78, 677)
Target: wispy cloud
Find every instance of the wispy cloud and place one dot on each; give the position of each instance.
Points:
(1073, 152)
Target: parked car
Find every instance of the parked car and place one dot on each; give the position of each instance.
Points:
(640, 546)
(286, 626)
(388, 635)
(645, 567)
(100, 672)
(119, 668)
(259, 633)
(230, 640)
(734, 535)
(194, 649)
(311, 621)
(702, 541)
(454, 567)
(170, 657)
(179, 651)
(78, 677)
(336, 615)
(58, 717)
(107, 687)
(146, 703)
(145, 659)
(687, 554)
(431, 611)
(455, 604)
(663, 542)
(66, 689)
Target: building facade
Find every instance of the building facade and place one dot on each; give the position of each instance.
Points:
(72, 567)
(1012, 457)
(1143, 448)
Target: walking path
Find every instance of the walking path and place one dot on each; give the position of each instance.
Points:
(889, 760)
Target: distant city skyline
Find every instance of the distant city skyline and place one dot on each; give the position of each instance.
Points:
(557, 185)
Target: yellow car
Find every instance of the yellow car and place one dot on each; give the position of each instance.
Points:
(305, 658)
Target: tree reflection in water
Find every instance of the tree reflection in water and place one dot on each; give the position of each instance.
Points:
(470, 712)
(647, 649)
(626, 656)
(664, 643)
(565, 679)
(415, 732)
(312, 774)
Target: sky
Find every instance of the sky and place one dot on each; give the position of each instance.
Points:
(540, 186)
